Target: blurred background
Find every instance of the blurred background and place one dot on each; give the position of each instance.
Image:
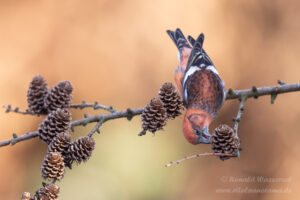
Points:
(118, 53)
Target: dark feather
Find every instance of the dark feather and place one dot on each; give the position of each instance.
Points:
(179, 39)
(199, 42)
(198, 56)
(191, 40)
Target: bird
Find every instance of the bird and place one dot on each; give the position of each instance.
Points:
(201, 87)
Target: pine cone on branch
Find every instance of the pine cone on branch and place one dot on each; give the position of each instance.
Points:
(36, 94)
(61, 144)
(57, 122)
(59, 96)
(47, 192)
(154, 116)
(53, 167)
(171, 99)
(81, 149)
(224, 141)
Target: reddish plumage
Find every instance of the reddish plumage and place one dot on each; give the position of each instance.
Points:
(179, 71)
(194, 119)
(184, 50)
(202, 89)
(204, 92)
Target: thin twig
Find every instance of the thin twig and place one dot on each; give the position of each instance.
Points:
(129, 113)
(238, 118)
(95, 105)
(17, 139)
(8, 109)
(196, 156)
(239, 115)
(83, 105)
(234, 94)
(96, 128)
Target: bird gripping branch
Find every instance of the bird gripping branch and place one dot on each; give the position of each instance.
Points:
(200, 85)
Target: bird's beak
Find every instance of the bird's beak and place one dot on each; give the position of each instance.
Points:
(203, 135)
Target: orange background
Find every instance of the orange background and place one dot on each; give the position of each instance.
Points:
(118, 53)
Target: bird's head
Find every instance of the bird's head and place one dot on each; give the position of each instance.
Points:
(195, 126)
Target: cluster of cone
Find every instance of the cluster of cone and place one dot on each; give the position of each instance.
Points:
(54, 131)
(224, 141)
(41, 100)
(47, 192)
(168, 104)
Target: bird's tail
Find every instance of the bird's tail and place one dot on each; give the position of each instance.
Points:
(179, 39)
(197, 45)
(191, 40)
(198, 55)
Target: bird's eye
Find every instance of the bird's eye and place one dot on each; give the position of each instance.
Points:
(198, 132)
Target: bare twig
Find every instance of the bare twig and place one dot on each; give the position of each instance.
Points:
(95, 105)
(239, 115)
(234, 94)
(17, 139)
(238, 118)
(83, 105)
(129, 113)
(96, 128)
(8, 109)
(196, 156)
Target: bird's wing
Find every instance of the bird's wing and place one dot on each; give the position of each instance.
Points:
(202, 87)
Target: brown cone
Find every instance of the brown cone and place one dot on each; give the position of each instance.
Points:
(59, 96)
(53, 167)
(154, 116)
(224, 141)
(171, 99)
(81, 149)
(25, 196)
(36, 94)
(47, 192)
(61, 144)
(57, 122)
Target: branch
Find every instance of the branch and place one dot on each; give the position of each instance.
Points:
(256, 92)
(17, 139)
(83, 105)
(196, 156)
(96, 128)
(8, 109)
(238, 118)
(239, 115)
(95, 105)
(130, 113)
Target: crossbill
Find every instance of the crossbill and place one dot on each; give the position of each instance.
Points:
(201, 87)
